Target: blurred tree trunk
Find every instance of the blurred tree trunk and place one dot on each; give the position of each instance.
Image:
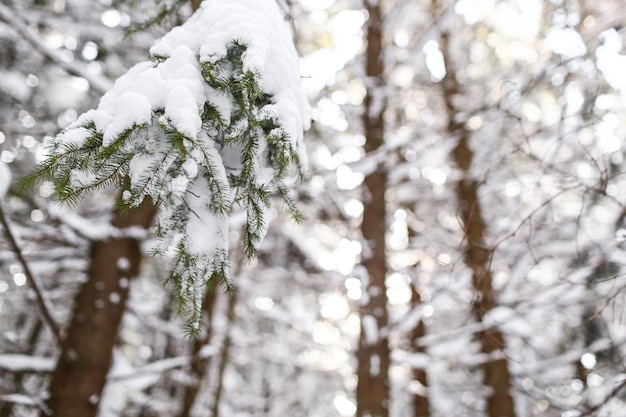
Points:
(372, 392)
(224, 354)
(199, 366)
(86, 352)
(421, 404)
(496, 373)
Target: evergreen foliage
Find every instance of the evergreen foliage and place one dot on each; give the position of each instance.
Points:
(239, 159)
(163, 12)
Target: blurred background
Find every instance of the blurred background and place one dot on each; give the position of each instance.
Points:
(462, 250)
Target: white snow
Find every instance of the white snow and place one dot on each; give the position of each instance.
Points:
(26, 363)
(176, 85)
(5, 179)
(178, 186)
(76, 136)
(131, 108)
(220, 172)
(151, 85)
(123, 264)
(191, 168)
(370, 329)
(270, 52)
(80, 178)
(205, 234)
(90, 229)
(19, 399)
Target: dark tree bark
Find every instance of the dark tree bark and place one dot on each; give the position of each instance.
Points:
(372, 392)
(477, 255)
(86, 351)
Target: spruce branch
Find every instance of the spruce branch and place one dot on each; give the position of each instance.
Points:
(185, 174)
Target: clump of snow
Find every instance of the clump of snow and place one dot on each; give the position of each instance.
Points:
(75, 137)
(176, 85)
(5, 179)
(270, 53)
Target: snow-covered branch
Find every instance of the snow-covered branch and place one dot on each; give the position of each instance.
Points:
(21, 25)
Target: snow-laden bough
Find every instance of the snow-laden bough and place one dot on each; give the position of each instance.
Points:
(214, 120)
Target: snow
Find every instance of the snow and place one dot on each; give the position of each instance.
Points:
(178, 186)
(190, 167)
(222, 103)
(176, 85)
(19, 399)
(270, 53)
(206, 234)
(370, 329)
(90, 229)
(75, 137)
(5, 179)
(123, 264)
(220, 171)
(26, 363)
(80, 178)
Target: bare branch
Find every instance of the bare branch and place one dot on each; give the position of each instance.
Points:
(42, 302)
(98, 83)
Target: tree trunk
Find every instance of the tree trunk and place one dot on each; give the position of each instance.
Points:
(199, 366)
(372, 392)
(86, 352)
(421, 404)
(496, 375)
(224, 354)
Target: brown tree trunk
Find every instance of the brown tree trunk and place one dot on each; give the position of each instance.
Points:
(496, 373)
(372, 392)
(199, 366)
(86, 352)
(421, 404)
(224, 354)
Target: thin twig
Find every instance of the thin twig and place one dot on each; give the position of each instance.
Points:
(42, 301)
(611, 395)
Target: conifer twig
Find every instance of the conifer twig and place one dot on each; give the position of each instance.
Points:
(42, 301)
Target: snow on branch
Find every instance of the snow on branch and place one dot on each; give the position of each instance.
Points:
(26, 363)
(214, 121)
(98, 83)
(5, 179)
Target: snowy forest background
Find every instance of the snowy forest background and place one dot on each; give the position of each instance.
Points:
(462, 244)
